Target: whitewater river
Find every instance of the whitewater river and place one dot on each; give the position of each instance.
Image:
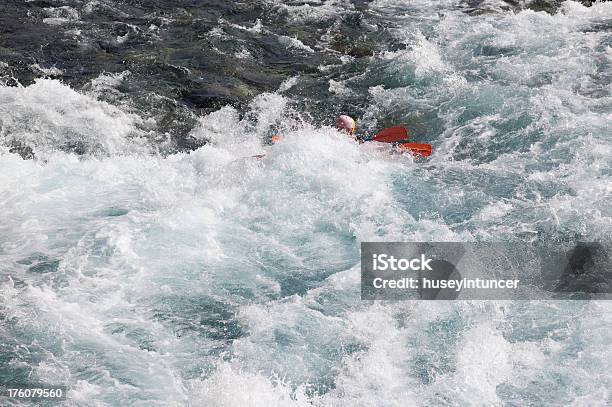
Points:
(147, 260)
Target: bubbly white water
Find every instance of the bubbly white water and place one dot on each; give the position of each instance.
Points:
(213, 278)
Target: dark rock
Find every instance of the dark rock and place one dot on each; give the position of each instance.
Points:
(25, 151)
(206, 98)
(550, 6)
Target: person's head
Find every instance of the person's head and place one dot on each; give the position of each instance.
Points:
(346, 124)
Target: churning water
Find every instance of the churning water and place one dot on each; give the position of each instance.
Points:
(148, 260)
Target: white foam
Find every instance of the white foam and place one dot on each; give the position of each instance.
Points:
(314, 11)
(52, 71)
(288, 84)
(48, 115)
(60, 15)
(230, 387)
(144, 241)
(291, 42)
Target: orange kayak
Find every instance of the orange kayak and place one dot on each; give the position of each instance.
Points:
(416, 149)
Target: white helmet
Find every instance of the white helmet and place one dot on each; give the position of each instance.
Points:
(346, 123)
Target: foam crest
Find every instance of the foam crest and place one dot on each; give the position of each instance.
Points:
(49, 115)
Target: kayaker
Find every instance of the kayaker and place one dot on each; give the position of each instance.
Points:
(397, 136)
(347, 125)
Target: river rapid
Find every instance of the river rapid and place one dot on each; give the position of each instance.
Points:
(147, 259)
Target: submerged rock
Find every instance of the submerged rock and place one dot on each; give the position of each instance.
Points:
(551, 6)
(25, 151)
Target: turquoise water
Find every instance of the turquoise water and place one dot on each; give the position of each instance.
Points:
(212, 278)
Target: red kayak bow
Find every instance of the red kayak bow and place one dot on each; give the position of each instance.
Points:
(398, 134)
(391, 135)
